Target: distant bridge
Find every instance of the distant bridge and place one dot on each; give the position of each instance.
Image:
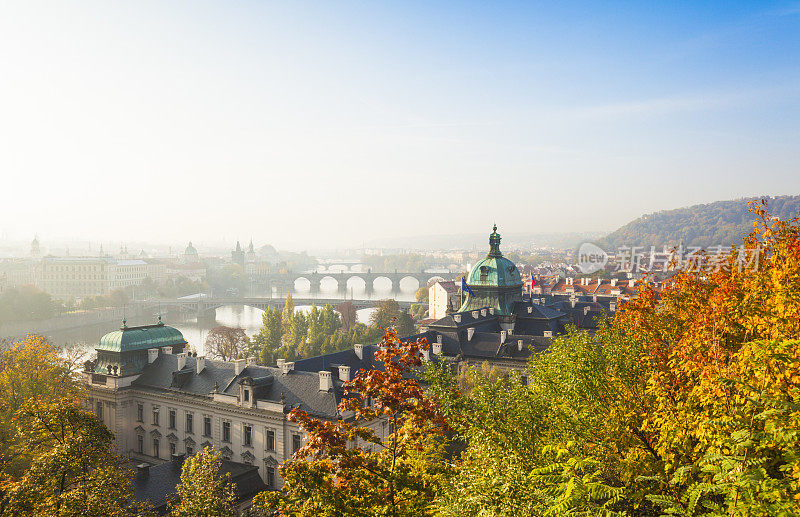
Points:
(205, 307)
(344, 280)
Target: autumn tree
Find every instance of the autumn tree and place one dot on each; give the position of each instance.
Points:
(227, 343)
(684, 404)
(203, 491)
(31, 369)
(73, 471)
(350, 467)
(347, 312)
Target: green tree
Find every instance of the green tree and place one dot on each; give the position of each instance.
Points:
(388, 314)
(268, 340)
(203, 492)
(288, 314)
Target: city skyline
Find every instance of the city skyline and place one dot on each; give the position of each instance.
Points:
(317, 126)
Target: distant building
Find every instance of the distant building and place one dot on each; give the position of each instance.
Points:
(237, 255)
(190, 255)
(75, 277)
(36, 252)
(444, 297)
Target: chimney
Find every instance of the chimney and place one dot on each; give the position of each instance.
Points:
(474, 314)
(548, 333)
(491, 311)
(439, 338)
(344, 373)
(426, 355)
(286, 368)
(594, 298)
(359, 350)
(613, 281)
(631, 283)
(280, 362)
(152, 354)
(201, 363)
(519, 345)
(483, 312)
(437, 348)
(586, 310)
(470, 333)
(238, 366)
(251, 361)
(167, 349)
(530, 308)
(182, 360)
(457, 318)
(573, 302)
(325, 380)
(142, 470)
(612, 307)
(503, 334)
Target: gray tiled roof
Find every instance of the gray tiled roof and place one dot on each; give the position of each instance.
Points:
(296, 388)
(161, 482)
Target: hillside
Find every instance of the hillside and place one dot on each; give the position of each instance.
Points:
(718, 223)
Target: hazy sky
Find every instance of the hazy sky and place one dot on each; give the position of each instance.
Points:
(320, 124)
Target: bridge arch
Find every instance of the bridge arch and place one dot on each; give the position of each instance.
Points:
(328, 283)
(409, 283)
(302, 281)
(382, 283)
(432, 280)
(356, 283)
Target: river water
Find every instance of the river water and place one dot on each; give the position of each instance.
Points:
(195, 332)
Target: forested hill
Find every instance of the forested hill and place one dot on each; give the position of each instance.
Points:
(719, 223)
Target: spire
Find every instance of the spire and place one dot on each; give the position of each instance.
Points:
(494, 243)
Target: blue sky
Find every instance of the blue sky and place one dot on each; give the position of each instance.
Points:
(328, 124)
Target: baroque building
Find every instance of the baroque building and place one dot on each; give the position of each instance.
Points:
(161, 401)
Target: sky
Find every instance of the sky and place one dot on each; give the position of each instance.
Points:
(328, 124)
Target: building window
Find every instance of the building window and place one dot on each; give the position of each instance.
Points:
(155, 447)
(189, 450)
(100, 409)
(248, 435)
(270, 440)
(207, 426)
(140, 444)
(270, 477)
(247, 395)
(296, 442)
(140, 412)
(189, 423)
(172, 449)
(226, 431)
(155, 415)
(172, 419)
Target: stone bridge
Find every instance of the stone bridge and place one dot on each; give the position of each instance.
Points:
(285, 282)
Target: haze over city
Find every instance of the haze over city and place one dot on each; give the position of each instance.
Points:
(310, 125)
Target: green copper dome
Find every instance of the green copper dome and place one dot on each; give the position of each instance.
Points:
(495, 280)
(128, 339)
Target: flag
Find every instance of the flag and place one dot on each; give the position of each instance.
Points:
(465, 288)
(533, 282)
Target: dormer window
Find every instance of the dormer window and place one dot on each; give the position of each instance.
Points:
(484, 272)
(247, 395)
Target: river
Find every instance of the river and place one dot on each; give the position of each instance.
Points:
(195, 332)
